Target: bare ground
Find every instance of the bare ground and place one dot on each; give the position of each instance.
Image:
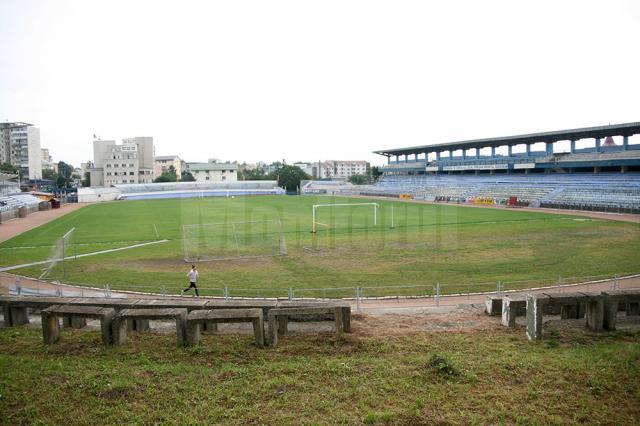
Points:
(15, 227)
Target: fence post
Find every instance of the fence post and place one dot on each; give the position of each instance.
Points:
(559, 283)
(226, 291)
(163, 290)
(498, 288)
(437, 294)
(18, 286)
(358, 295)
(290, 293)
(616, 284)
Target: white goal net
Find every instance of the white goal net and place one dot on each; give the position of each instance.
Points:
(62, 249)
(233, 240)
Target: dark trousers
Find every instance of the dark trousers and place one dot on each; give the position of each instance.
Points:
(192, 285)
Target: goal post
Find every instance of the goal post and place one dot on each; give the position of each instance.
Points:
(60, 251)
(233, 240)
(375, 207)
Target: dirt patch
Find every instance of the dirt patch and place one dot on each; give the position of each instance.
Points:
(15, 227)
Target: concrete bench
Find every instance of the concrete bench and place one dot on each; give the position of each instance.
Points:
(569, 303)
(630, 299)
(16, 308)
(345, 306)
(179, 315)
(493, 305)
(276, 329)
(143, 324)
(513, 306)
(51, 325)
(196, 318)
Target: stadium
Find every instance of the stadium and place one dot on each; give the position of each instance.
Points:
(479, 251)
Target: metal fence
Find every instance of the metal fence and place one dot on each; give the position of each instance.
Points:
(434, 292)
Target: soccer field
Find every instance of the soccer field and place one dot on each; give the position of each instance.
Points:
(458, 248)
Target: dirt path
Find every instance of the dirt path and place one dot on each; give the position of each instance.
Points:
(15, 227)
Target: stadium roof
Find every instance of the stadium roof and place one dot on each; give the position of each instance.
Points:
(626, 129)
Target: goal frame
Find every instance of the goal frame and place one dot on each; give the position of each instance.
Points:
(375, 206)
(282, 244)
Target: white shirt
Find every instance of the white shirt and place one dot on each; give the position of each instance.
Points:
(193, 275)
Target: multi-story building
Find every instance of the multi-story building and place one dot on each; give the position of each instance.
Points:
(47, 160)
(131, 162)
(164, 162)
(20, 147)
(340, 169)
(306, 167)
(213, 171)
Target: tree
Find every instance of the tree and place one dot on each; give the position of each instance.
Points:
(86, 182)
(186, 176)
(360, 179)
(375, 173)
(166, 177)
(49, 174)
(289, 177)
(65, 171)
(8, 168)
(253, 174)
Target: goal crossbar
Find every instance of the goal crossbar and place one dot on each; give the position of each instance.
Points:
(316, 206)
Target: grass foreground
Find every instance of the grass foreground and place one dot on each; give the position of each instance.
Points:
(485, 377)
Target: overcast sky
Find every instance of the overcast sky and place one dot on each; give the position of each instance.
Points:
(266, 80)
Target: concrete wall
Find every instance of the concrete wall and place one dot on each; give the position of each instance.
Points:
(92, 195)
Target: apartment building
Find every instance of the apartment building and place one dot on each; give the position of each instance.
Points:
(340, 169)
(20, 147)
(213, 171)
(130, 162)
(164, 162)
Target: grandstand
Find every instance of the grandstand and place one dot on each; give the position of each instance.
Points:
(179, 190)
(603, 177)
(10, 205)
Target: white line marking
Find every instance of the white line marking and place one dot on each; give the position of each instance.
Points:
(156, 229)
(42, 262)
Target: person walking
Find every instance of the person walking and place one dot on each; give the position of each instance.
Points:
(193, 278)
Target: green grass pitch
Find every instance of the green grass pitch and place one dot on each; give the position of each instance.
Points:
(459, 247)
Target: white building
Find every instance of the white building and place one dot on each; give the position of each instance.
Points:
(340, 169)
(213, 171)
(164, 162)
(20, 147)
(306, 167)
(47, 160)
(131, 162)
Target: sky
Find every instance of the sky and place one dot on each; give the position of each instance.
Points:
(307, 81)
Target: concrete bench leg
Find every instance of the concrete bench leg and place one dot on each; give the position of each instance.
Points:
(193, 334)
(74, 322)
(181, 330)
(339, 322)
(569, 312)
(508, 313)
(140, 325)
(283, 324)
(346, 319)
(273, 331)
(120, 328)
(106, 323)
(50, 328)
(258, 331)
(610, 312)
(595, 314)
(19, 316)
(209, 326)
(7, 316)
(535, 309)
(633, 309)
